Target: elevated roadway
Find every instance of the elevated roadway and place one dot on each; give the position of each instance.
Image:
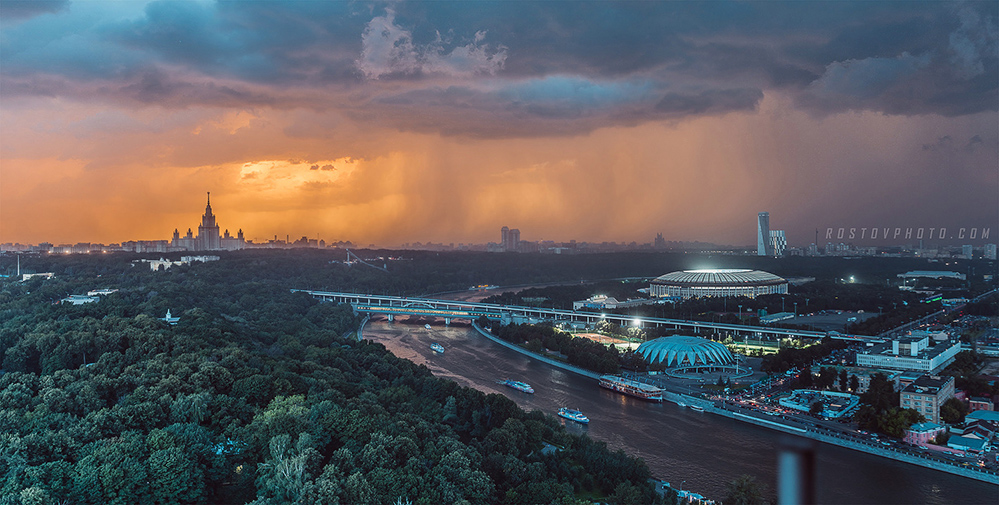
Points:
(392, 306)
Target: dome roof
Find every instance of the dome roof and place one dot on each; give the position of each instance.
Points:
(719, 278)
(679, 350)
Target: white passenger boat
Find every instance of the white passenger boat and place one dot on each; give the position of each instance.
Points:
(631, 388)
(574, 415)
(519, 386)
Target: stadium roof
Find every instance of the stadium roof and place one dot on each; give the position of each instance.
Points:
(679, 350)
(720, 277)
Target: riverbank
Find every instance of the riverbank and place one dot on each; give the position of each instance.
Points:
(711, 407)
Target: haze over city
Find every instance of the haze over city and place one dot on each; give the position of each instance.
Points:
(397, 122)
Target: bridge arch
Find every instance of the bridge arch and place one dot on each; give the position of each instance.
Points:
(426, 305)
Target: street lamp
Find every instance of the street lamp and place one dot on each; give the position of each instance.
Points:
(796, 310)
(740, 314)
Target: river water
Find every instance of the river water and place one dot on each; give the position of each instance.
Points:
(700, 451)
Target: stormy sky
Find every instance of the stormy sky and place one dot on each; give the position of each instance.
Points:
(392, 122)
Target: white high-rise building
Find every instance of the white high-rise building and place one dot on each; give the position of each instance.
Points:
(764, 247)
(990, 252)
(778, 242)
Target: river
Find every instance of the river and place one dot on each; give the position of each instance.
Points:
(700, 451)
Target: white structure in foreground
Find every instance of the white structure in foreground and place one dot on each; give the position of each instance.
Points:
(717, 282)
(910, 353)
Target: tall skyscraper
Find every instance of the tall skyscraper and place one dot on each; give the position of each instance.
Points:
(660, 241)
(208, 238)
(509, 239)
(208, 232)
(764, 247)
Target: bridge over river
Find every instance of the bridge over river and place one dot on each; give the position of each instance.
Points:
(392, 306)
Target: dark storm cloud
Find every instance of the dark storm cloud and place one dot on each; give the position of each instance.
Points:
(710, 101)
(947, 144)
(24, 9)
(156, 87)
(545, 66)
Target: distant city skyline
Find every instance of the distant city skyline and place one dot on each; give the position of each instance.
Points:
(444, 121)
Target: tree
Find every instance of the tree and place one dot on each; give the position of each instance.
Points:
(880, 394)
(876, 402)
(816, 408)
(854, 384)
(805, 378)
(283, 475)
(827, 377)
(941, 438)
(953, 411)
(627, 493)
(672, 497)
(745, 490)
(842, 380)
(174, 476)
(895, 421)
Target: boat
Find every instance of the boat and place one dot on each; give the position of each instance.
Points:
(574, 415)
(437, 347)
(519, 386)
(427, 326)
(631, 388)
(696, 408)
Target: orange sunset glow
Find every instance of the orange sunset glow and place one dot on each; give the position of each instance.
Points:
(349, 123)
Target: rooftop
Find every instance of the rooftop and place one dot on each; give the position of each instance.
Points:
(885, 349)
(984, 415)
(935, 274)
(928, 384)
(966, 443)
(923, 427)
(719, 277)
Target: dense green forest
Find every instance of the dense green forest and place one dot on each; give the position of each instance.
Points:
(258, 395)
(579, 352)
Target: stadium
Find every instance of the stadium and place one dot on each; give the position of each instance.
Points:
(725, 282)
(684, 355)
